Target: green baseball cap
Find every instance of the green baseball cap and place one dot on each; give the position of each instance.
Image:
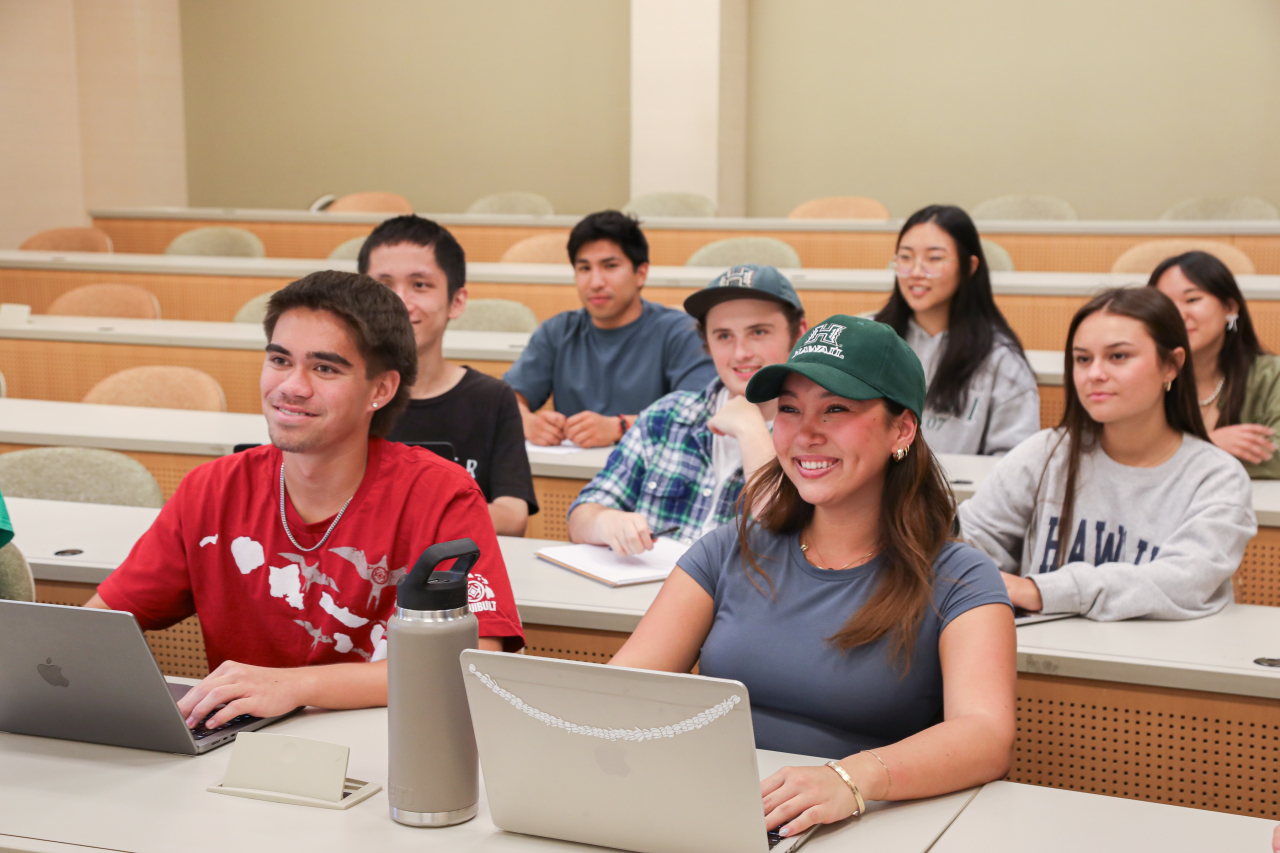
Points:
(745, 281)
(854, 358)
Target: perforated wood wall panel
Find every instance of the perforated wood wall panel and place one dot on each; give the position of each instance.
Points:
(554, 497)
(552, 641)
(1052, 402)
(1185, 748)
(178, 650)
(167, 468)
(1258, 580)
(182, 297)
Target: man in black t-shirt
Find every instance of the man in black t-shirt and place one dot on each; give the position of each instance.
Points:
(476, 413)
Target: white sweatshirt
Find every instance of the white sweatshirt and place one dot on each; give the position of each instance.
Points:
(1002, 406)
(1161, 542)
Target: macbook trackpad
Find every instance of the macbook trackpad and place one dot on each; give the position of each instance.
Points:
(177, 691)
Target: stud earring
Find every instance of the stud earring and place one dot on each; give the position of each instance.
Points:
(375, 405)
(900, 454)
(1168, 386)
(1231, 322)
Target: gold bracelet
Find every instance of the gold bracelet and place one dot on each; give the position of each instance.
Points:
(857, 795)
(888, 787)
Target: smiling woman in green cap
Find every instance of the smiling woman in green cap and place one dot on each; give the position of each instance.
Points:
(861, 632)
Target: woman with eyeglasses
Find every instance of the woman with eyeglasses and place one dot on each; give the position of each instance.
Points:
(1237, 383)
(982, 395)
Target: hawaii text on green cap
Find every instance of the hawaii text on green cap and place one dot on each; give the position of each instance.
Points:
(853, 358)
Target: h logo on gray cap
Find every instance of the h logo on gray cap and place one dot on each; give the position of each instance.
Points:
(737, 277)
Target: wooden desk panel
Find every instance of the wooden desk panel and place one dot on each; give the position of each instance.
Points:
(280, 239)
(65, 370)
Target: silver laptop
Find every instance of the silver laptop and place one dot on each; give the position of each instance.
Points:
(647, 761)
(88, 675)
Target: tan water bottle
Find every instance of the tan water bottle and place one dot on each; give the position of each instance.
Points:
(433, 770)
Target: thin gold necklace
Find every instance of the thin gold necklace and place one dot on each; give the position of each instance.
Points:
(804, 549)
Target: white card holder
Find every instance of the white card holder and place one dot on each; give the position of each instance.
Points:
(293, 770)
(13, 315)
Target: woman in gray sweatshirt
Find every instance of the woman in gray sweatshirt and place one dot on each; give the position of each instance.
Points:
(982, 396)
(1160, 516)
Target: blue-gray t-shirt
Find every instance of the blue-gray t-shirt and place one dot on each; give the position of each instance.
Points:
(611, 371)
(807, 696)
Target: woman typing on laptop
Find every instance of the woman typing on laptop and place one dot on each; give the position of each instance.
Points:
(861, 632)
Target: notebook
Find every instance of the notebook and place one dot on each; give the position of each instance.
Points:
(601, 564)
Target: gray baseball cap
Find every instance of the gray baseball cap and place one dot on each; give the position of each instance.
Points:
(745, 281)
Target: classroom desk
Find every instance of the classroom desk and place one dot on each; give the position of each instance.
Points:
(1080, 245)
(1009, 818)
(1168, 711)
(60, 358)
(67, 796)
(1038, 305)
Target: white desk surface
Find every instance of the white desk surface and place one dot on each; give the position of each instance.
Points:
(49, 422)
(483, 346)
(1263, 287)
(65, 793)
(1006, 817)
(1213, 654)
(458, 345)
(1156, 227)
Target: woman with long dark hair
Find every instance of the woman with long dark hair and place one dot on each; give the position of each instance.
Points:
(982, 395)
(863, 633)
(1125, 509)
(1237, 383)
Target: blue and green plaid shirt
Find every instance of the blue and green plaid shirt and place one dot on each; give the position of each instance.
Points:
(663, 468)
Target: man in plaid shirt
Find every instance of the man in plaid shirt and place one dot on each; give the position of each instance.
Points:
(679, 469)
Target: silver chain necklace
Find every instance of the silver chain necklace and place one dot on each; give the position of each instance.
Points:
(285, 521)
(1214, 395)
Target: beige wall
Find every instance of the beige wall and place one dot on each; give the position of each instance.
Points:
(90, 110)
(1119, 106)
(441, 101)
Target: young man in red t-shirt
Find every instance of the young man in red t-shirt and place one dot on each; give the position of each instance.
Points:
(290, 552)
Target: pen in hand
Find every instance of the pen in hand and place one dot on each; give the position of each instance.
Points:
(666, 531)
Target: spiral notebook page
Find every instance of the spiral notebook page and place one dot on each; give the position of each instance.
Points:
(602, 564)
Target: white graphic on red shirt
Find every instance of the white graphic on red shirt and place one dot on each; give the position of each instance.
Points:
(248, 554)
(377, 574)
(286, 583)
(479, 594)
(310, 574)
(342, 614)
(317, 636)
(378, 637)
(342, 643)
(209, 540)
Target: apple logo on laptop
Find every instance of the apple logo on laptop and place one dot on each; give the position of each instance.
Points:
(52, 673)
(612, 759)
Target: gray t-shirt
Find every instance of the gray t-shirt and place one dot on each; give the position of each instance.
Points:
(808, 697)
(611, 371)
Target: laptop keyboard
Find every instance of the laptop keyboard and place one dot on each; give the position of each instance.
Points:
(200, 732)
(774, 838)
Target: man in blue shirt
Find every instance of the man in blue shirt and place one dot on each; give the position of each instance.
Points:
(605, 362)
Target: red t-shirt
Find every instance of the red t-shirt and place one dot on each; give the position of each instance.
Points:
(218, 549)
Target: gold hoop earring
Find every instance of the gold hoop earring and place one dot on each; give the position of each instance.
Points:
(1168, 386)
(900, 453)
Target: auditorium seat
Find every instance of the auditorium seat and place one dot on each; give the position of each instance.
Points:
(745, 250)
(107, 300)
(255, 310)
(541, 249)
(495, 315)
(348, 250)
(68, 240)
(16, 581)
(79, 474)
(1145, 257)
(840, 207)
(373, 202)
(160, 387)
(513, 202)
(670, 204)
(998, 257)
(217, 241)
(1243, 207)
(1024, 207)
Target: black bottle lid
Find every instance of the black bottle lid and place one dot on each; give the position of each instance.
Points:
(426, 588)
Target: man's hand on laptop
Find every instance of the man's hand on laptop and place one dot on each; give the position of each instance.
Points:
(587, 429)
(244, 689)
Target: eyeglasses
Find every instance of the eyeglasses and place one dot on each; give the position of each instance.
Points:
(905, 265)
